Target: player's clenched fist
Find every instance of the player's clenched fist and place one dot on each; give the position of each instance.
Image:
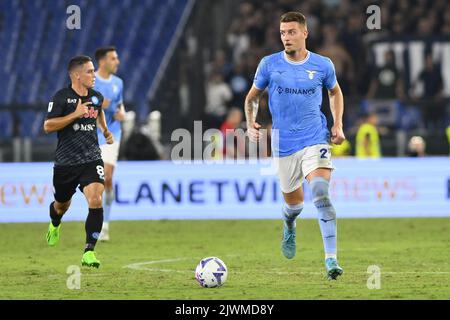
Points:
(82, 108)
(337, 135)
(109, 137)
(253, 132)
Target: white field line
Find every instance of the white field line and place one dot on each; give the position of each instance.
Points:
(143, 266)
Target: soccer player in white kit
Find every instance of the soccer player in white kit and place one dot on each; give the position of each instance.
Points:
(300, 137)
(111, 87)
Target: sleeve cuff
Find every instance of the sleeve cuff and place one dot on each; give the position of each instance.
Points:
(257, 87)
(334, 85)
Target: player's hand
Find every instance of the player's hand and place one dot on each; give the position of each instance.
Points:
(253, 132)
(82, 108)
(108, 136)
(119, 115)
(337, 134)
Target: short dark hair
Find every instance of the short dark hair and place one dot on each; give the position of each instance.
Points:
(294, 16)
(77, 61)
(100, 53)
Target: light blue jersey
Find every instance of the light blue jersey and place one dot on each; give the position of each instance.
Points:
(295, 98)
(111, 89)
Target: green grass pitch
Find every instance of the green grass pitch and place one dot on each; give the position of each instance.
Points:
(157, 259)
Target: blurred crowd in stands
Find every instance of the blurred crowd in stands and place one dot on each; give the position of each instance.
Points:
(395, 79)
(337, 29)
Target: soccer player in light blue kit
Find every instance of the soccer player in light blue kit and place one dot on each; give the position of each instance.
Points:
(300, 144)
(111, 87)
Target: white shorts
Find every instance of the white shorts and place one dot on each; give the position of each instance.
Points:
(294, 168)
(110, 153)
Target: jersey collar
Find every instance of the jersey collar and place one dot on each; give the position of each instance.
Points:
(298, 62)
(71, 89)
(103, 79)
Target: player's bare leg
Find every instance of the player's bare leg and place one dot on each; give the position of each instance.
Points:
(291, 209)
(319, 184)
(57, 210)
(108, 199)
(93, 193)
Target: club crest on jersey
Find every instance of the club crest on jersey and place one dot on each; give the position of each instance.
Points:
(94, 100)
(311, 74)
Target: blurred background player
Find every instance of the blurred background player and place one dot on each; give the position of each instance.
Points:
(74, 113)
(233, 145)
(433, 106)
(368, 138)
(111, 87)
(447, 133)
(295, 78)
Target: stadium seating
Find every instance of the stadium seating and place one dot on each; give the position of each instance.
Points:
(6, 125)
(37, 45)
(30, 123)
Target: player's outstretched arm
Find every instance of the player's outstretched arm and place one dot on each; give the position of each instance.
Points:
(251, 110)
(101, 122)
(58, 123)
(337, 110)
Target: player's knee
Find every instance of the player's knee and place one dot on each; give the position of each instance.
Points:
(319, 187)
(294, 198)
(320, 192)
(95, 201)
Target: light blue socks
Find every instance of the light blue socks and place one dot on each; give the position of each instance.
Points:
(108, 199)
(327, 215)
(290, 213)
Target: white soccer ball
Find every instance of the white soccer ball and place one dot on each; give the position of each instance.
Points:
(211, 272)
